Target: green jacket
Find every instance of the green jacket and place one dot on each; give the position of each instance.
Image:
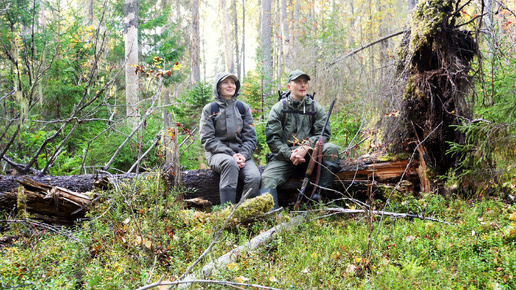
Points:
(297, 126)
(233, 133)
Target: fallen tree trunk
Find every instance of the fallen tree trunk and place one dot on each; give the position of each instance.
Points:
(61, 198)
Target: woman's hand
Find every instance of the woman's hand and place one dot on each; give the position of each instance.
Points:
(240, 159)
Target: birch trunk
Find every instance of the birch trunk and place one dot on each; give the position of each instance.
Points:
(131, 58)
(196, 44)
(228, 51)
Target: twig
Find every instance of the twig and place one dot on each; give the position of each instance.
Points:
(144, 154)
(364, 47)
(386, 213)
(223, 283)
(44, 226)
(147, 113)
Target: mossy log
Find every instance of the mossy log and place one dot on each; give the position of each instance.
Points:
(62, 199)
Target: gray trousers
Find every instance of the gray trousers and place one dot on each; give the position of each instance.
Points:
(278, 172)
(230, 173)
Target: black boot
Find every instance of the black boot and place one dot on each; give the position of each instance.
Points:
(328, 171)
(273, 192)
(227, 194)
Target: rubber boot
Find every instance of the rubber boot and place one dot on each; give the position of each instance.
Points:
(326, 178)
(227, 194)
(273, 192)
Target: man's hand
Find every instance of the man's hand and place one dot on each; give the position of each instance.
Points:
(298, 155)
(240, 159)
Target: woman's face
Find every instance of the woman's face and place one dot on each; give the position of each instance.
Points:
(226, 88)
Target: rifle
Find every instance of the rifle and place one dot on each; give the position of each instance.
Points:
(316, 152)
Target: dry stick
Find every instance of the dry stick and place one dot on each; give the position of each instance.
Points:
(223, 283)
(44, 226)
(387, 213)
(147, 113)
(250, 246)
(144, 154)
(364, 47)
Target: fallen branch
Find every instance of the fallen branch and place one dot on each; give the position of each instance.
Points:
(252, 245)
(223, 283)
(385, 213)
(364, 47)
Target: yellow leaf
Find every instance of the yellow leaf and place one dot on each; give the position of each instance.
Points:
(513, 216)
(147, 244)
(273, 279)
(358, 260)
(336, 255)
(138, 240)
(233, 266)
(241, 279)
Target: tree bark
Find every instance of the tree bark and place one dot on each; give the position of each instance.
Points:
(196, 44)
(243, 40)
(266, 49)
(357, 180)
(131, 58)
(228, 51)
(285, 39)
(237, 58)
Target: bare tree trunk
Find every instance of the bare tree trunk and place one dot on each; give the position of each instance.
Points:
(243, 39)
(131, 58)
(236, 39)
(266, 49)
(90, 11)
(411, 4)
(228, 51)
(196, 44)
(285, 39)
(295, 35)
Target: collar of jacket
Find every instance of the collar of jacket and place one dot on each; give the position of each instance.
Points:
(306, 101)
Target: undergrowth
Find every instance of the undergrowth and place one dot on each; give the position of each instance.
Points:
(138, 233)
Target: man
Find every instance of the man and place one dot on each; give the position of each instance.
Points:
(294, 126)
(228, 137)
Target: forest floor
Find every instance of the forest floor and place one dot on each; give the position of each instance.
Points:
(138, 236)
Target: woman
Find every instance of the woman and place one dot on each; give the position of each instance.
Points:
(229, 139)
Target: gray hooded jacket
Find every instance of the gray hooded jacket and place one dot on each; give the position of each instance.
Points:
(234, 133)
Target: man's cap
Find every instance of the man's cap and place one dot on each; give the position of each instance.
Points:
(234, 77)
(296, 74)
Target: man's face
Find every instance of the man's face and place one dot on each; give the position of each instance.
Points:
(298, 88)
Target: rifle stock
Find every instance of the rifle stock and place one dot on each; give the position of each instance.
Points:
(311, 164)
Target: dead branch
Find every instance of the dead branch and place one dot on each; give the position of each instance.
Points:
(147, 114)
(222, 283)
(33, 224)
(363, 47)
(252, 245)
(156, 141)
(385, 213)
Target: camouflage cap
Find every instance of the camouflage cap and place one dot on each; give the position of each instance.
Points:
(296, 74)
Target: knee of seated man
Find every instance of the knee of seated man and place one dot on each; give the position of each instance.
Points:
(269, 182)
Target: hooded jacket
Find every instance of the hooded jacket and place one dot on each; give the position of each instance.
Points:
(296, 128)
(234, 133)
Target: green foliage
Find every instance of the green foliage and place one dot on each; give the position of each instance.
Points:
(345, 125)
(487, 157)
(188, 106)
(137, 234)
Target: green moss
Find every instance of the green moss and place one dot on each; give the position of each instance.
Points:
(251, 208)
(427, 20)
